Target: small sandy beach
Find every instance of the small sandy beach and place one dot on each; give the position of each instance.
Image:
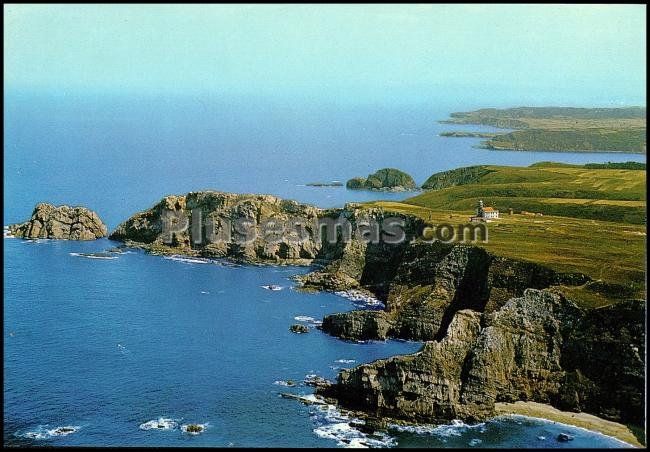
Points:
(584, 420)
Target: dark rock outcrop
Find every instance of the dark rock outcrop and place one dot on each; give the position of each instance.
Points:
(604, 356)
(424, 285)
(60, 222)
(526, 350)
(299, 328)
(358, 325)
(422, 386)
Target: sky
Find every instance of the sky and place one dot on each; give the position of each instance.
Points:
(545, 54)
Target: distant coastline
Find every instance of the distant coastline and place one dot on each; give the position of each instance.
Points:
(558, 129)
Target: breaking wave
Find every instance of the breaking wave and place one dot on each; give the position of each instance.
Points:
(188, 260)
(42, 432)
(162, 423)
(334, 425)
(361, 298)
(94, 255)
(455, 428)
(308, 319)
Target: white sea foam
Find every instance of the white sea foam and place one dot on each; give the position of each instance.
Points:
(42, 432)
(345, 361)
(304, 318)
(93, 256)
(35, 435)
(334, 425)
(205, 292)
(272, 287)
(455, 428)
(283, 383)
(474, 442)
(360, 297)
(308, 319)
(188, 260)
(162, 423)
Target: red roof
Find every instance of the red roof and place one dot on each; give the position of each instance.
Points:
(488, 209)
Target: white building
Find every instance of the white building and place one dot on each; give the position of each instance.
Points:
(485, 213)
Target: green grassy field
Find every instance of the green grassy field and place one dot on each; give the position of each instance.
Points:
(607, 251)
(583, 140)
(592, 222)
(551, 189)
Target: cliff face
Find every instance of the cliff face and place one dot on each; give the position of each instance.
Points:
(498, 330)
(216, 224)
(604, 356)
(425, 284)
(424, 386)
(526, 350)
(266, 229)
(62, 222)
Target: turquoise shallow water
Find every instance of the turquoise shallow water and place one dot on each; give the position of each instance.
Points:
(106, 346)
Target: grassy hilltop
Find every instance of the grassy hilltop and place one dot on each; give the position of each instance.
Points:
(593, 218)
(609, 194)
(561, 128)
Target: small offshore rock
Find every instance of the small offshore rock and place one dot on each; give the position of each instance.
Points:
(194, 428)
(299, 328)
(564, 437)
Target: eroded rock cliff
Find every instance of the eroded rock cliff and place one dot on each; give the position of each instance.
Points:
(538, 347)
(424, 285)
(60, 222)
(216, 224)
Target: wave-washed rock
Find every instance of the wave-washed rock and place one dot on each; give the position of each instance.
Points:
(539, 347)
(60, 222)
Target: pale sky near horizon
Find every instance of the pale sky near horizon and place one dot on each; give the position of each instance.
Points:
(550, 53)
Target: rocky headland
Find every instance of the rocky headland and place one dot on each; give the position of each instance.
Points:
(236, 221)
(60, 222)
(260, 229)
(496, 329)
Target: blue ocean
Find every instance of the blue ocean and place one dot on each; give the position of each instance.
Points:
(129, 350)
